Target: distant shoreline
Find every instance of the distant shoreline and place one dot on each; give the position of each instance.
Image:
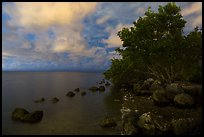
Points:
(53, 71)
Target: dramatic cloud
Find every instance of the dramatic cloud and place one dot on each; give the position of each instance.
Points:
(72, 35)
(113, 40)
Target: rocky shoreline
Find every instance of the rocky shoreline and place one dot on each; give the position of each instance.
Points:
(149, 108)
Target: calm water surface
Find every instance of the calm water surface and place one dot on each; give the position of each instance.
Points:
(77, 115)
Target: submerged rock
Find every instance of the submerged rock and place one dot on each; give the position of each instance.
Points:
(83, 93)
(55, 100)
(77, 89)
(20, 114)
(184, 100)
(94, 88)
(107, 84)
(70, 94)
(101, 88)
(40, 100)
(108, 122)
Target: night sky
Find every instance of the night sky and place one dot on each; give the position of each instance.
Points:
(72, 36)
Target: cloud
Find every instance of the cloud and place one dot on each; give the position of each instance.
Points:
(113, 40)
(103, 19)
(196, 7)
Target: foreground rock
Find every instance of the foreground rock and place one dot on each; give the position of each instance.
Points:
(173, 89)
(40, 100)
(70, 94)
(101, 88)
(151, 124)
(20, 114)
(55, 100)
(160, 98)
(83, 93)
(156, 85)
(108, 122)
(184, 126)
(94, 88)
(107, 84)
(147, 84)
(183, 100)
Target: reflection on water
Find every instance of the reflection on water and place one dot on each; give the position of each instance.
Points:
(77, 115)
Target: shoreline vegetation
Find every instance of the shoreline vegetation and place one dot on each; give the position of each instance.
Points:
(160, 70)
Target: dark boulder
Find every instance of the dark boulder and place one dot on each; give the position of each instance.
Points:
(185, 126)
(19, 113)
(40, 100)
(107, 84)
(160, 98)
(70, 94)
(23, 115)
(156, 85)
(55, 100)
(173, 89)
(151, 124)
(129, 128)
(108, 122)
(33, 116)
(183, 100)
(94, 88)
(147, 84)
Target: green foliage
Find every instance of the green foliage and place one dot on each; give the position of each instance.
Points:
(156, 47)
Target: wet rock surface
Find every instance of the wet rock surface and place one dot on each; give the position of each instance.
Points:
(20, 114)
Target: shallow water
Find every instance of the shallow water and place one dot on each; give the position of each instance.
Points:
(77, 115)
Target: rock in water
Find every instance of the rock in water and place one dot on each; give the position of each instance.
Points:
(107, 84)
(55, 100)
(83, 93)
(40, 100)
(108, 122)
(94, 88)
(77, 90)
(101, 88)
(19, 113)
(23, 115)
(33, 116)
(70, 94)
(184, 100)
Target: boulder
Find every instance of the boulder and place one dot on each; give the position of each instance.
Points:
(184, 126)
(147, 84)
(77, 89)
(108, 122)
(107, 84)
(192, 89)
(101, 88)
(184, 100)
(33, 116)
(40, 100)
(83, 93)
(55, 100)
(129, 129)
(160, 98)
(70, 94)
(173, 89)
(20, 114)
(94, 88)
(151, 124)
(156, 85)
(136, 86)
